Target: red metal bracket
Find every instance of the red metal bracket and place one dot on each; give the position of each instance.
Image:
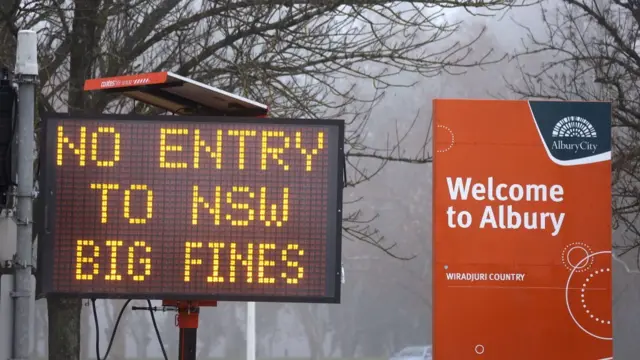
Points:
(188, 311)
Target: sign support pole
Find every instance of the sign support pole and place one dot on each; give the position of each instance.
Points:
(251, 330)
(27, 77)
(187, 321)
(188, 336)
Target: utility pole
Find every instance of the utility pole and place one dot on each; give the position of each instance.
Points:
(27, 77)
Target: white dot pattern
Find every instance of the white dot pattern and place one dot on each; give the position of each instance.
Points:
(453, 139)
(584, 303)
(576, 246)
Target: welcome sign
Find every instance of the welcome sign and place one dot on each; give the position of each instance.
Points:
(505, 216)
(522, 230)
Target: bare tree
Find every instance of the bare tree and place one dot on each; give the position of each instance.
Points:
(142, 332)
(589, 50)
(303, 59)
(314, 321)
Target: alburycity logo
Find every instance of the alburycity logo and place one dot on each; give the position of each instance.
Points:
(574, 133)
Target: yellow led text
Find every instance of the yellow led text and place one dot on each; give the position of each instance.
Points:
(116, 147)
(104, 198)
(274, 152)
(240, 198)
(189, 260)
(263, 262)
(242, 206)
(294, 248)
(309, 153)
(246, 261)
(79, 148)
(242, 263)
(271, 215)
(127, 204)
(215, 277)
(199, 143)
(143, 261)
(242, 134)
(86, 257)
(164, 148)
(197, 200)
(270, 148)
(104, 201)
(113, 266)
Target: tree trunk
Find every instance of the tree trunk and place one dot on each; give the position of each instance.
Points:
(272, 341)
(64, 328)
(236, 343)
(142, 332)
(313, 325)
(86, 17)
(142, 339)
(7, 38)
(65, 314)
(348, 347)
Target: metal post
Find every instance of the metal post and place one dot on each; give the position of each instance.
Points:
(251, 330)
(188, 315)
(27, 75)
(187, 348)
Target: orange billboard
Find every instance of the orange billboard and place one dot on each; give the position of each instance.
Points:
(522, 230)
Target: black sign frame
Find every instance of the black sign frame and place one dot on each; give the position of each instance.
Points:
(46, 216)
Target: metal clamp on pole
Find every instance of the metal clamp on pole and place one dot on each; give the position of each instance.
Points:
(187, 321)
(19, 294)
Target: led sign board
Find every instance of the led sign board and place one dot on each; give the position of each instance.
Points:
(171, 207)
